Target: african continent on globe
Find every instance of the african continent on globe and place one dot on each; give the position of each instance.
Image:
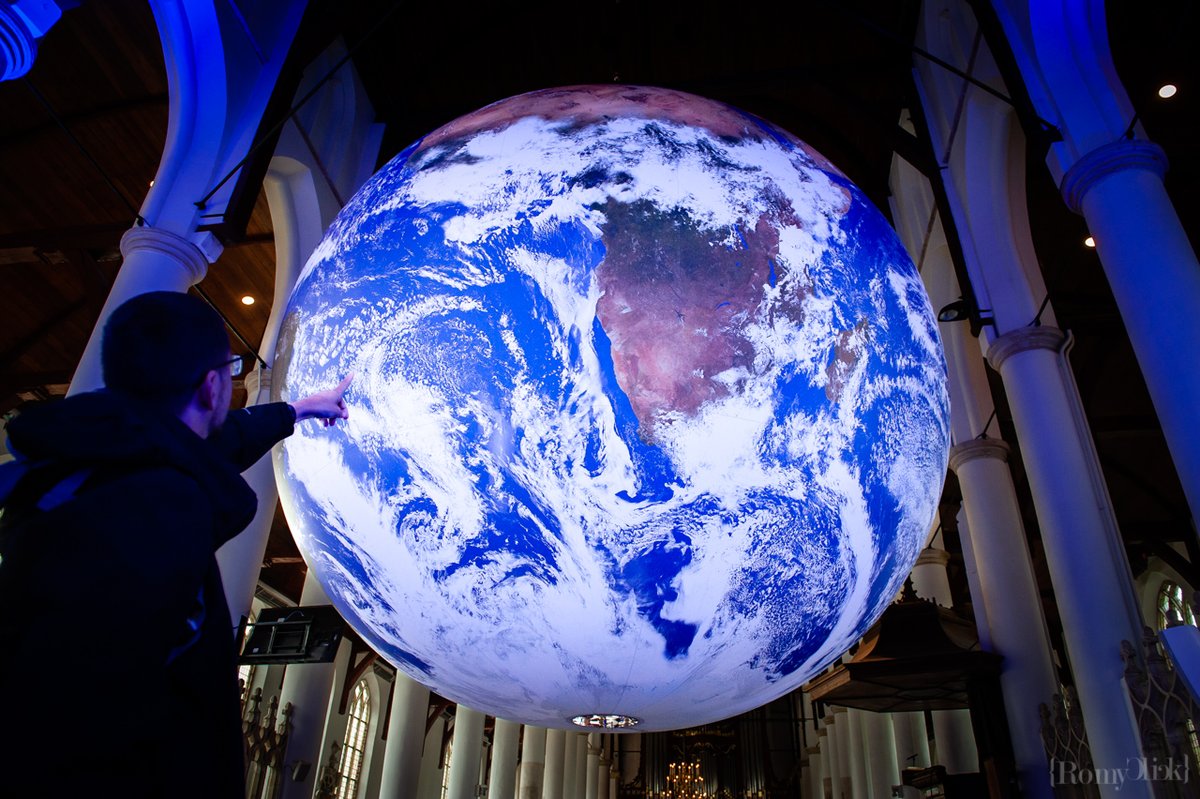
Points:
(649, 417)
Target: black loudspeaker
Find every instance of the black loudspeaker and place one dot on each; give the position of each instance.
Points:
(294, 635)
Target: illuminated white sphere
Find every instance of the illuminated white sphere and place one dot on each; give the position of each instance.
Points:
(649, 420)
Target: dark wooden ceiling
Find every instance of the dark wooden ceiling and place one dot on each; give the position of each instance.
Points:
(81, 136)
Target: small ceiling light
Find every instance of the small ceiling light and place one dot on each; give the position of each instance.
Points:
(152, 183)
(1089, 242)
(247, 300)
(1167, 90)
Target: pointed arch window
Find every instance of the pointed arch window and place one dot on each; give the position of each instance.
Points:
(358, 725)
(1171, 602)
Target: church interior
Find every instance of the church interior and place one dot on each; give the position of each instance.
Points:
(1034, 158)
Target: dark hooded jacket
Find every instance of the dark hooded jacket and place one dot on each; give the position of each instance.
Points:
(117, 652)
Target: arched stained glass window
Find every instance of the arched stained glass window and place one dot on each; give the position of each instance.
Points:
(1171, 602)
(358, 724)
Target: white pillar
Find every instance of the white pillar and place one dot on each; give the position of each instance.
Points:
(955, 741)
(841, 730)
(464, 753)
(1084, 552)
(1155, 279)
(591, 788)
(241, 558)
(308, 687)
(570, 744)
(912, 742)
(604, 767)
(533, 761)
(880, 740)
(154, 259)
(552, 779)
(502, 782)
(1009, 595)
(406, 739)
(814, 784)
(859, 786)
(581, 754)
(929, 577)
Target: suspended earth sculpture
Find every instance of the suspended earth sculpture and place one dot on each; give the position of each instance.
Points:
(650, 417)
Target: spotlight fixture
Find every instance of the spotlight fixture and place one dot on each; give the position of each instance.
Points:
(247, 300)
(1089, 242)
(1167, 90)
(955, 311)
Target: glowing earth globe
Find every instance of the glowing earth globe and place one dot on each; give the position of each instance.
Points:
(649, 419)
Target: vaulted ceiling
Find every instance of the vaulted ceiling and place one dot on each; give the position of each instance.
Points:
(81, 136)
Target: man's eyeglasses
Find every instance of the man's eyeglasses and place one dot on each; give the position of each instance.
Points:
(235, 365)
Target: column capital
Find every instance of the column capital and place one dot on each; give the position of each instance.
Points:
(1022, 339)
(1117, 156)
(933, 557)
(978, 448)
(18, 45)
(189, 255)
(259, 379)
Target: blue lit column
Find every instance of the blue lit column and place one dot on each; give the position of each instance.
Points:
(1061, 48)
(22, 23)
(219, 86)
(1155, 278)
(1087, 563)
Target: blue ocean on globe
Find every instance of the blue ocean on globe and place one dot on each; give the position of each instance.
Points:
(649, 416)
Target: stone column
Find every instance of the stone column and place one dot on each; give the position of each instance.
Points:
(880, 740)
(955, 740)
(1008, 593)
(1155, 278)
(911, 739)
(22, 24)
(308, 687)
(464, 754)
(841, 728)
(570, 745)
(1084, 552)
(859, 787)
(405, 739)
(814, 784)
(929, 577)
(502, 782)
(552, 780)
(592, 774)
(581, 754)
(533, 762)
(154, 259)
(603, 767)
(241, 558)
